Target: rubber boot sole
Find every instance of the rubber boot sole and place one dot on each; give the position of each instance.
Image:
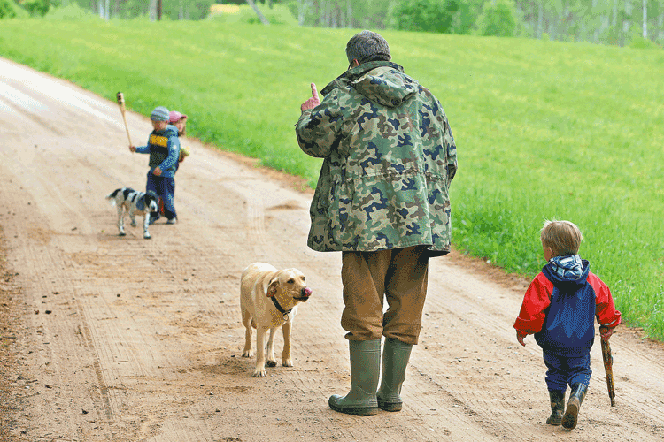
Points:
(571, 415)
(390, 406)
(554, 420)
(355, 411)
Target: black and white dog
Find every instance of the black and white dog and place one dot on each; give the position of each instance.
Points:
(134, 203)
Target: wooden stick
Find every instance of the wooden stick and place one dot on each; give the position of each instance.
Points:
(123, 110)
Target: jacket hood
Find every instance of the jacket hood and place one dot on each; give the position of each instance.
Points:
(568, 270)
(380, 82)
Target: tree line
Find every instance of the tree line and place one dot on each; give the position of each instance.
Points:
(618, 22)
(599, 21)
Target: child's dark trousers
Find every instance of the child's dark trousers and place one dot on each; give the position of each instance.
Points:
(164, 187)
(565, 370)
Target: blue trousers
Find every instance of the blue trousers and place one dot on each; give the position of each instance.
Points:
(164, 187)
(565, 370)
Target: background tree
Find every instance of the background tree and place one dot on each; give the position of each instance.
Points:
(38, 7)
(8, 9)
(435, 16)
(498, 18)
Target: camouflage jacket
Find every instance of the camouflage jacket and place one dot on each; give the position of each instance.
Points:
(389, 158)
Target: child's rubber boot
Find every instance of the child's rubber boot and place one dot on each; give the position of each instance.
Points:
(574, 405)
(557, 407)
(364, 373)
(395, 359)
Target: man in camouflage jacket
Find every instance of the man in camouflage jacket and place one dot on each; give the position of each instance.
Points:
(383, 200)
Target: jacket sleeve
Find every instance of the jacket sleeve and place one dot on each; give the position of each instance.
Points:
(144, 149)
(605, 309)
(319, 129)
(448, 140)
(533, 308)
(173, 147)
(450, 146)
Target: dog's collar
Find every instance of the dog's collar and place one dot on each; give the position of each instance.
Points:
(279, 307)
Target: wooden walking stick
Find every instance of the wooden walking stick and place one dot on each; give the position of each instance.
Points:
(123, 110)
(608, 367)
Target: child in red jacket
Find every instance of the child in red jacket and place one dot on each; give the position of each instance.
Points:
(559, 308)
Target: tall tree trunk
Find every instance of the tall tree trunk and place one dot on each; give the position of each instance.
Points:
(152, 9)
(645, 19)
(627, 23)
(258, 12)
(300, 12)
(540, 19)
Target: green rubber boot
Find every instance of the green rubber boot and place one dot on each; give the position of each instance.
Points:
(574, 405)
(557, 407)
(364, 373)
(395, 359)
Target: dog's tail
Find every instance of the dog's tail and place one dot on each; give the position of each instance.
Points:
(111, 196)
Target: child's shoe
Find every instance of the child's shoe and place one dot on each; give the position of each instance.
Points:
(574, 405)
(557, 407)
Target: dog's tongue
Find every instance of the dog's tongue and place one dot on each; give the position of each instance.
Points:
(307, 291)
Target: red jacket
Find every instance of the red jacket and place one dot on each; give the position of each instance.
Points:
(537, 301)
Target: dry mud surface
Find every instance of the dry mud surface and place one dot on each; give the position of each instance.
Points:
(108, 338)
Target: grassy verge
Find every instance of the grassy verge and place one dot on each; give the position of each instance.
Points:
(544, 130)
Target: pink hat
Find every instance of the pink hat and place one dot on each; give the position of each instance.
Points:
(174, 116)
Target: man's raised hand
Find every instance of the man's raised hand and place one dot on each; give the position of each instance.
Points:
(313, 101)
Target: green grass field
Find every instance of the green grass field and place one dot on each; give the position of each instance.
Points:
(544, 130)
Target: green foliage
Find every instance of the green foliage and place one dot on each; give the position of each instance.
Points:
(38, 7)
(72, 11)
(465, 18)
(277, 15)
(498, 18)
(366, 14)
(639, 42)
(436, 16)
(544, 130)
(188, 10)
(9, 9)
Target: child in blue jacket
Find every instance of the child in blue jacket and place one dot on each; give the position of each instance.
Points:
(559, 307)
(164, 149)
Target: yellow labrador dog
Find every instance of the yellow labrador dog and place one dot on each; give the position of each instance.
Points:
(268, 300)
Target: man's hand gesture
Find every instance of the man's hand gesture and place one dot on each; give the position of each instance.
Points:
(313, 101)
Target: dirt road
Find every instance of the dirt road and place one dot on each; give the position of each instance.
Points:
(109, 338)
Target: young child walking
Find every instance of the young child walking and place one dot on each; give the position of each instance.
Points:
(559, 307)
(164, 149)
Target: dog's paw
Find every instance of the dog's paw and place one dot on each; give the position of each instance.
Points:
(287, 363)
(146, 236)
(271, 363)
(259, 373)
(133, 223)
(247, 354)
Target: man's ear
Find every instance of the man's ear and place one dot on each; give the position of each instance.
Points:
(272, 288)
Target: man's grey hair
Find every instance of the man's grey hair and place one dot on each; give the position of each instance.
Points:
(367, 46)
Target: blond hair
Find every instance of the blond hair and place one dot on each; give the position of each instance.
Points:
(563, 237)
